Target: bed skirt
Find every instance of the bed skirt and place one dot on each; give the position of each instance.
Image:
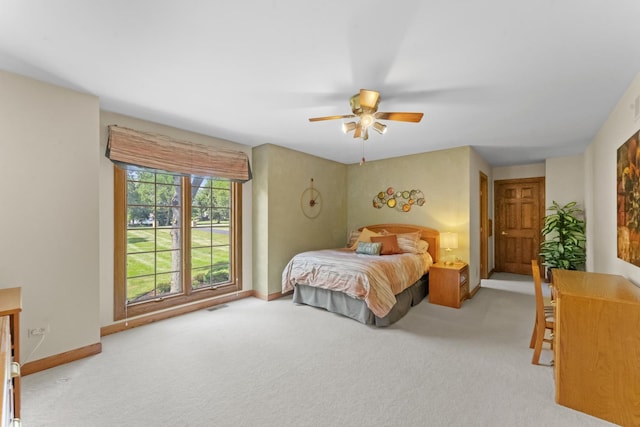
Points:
(337, 302)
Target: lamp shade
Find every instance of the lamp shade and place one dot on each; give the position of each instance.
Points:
(380, 128)
(449, 240)
(348, 127)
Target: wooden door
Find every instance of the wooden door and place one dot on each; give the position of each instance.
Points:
(519, 214)
(484, 226)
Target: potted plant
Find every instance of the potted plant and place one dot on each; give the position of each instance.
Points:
(565, 239)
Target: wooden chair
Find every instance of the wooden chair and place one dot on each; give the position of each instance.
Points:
(544, 317)
(548, 308)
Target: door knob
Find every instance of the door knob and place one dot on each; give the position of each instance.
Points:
(504, 233)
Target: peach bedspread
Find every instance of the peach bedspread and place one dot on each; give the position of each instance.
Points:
(374, 279)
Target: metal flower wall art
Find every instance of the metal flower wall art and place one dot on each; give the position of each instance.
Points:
(402, 201)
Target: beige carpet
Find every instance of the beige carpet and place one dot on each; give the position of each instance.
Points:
(256, 363)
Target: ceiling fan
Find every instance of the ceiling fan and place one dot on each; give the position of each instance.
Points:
(365, 106)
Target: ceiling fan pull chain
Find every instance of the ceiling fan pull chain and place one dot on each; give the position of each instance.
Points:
(362, 160)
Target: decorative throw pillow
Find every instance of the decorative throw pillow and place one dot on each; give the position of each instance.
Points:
(423, 246)
(353, 238)
(408, 242)
(389, 244)
(365, 236)
(368, 248)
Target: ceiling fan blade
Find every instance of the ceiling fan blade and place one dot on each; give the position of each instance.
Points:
(358, 131)
(400, 117)
(369, 99)
(318, 119)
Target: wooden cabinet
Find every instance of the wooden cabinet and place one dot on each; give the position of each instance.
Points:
(448, 284)
(7, 408)
(10, 308)
(597, 345)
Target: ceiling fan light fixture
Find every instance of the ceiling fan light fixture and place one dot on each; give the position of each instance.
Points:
(348, 127)
(380, 128)
(364, 106)
(366, 120)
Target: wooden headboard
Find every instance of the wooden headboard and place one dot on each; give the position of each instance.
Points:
(429, 234)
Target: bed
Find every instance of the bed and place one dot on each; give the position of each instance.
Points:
(374, 290)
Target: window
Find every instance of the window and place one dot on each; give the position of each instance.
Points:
(176, 239)
(210, 244)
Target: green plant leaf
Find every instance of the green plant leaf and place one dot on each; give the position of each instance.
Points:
(564, 232)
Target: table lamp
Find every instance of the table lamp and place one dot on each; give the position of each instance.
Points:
(448, 241)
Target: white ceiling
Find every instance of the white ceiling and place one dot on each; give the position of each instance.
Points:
(520, 81)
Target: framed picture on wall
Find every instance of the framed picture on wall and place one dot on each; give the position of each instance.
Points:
(628, 200)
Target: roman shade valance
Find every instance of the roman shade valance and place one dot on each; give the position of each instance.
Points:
(135, 148)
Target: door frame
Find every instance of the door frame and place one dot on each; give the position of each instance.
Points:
(485, 232)
(496, 211)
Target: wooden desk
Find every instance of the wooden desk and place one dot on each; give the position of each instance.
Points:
(11, 305)
(597, 345)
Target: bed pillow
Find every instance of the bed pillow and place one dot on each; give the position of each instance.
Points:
(408, 242)
(365, 236)
(389, 244)
(423, 246)
(353, 238)
(368, 248)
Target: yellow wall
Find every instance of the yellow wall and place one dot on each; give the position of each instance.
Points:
(445, 177)
(280, 229)
(478, 164)
(449, 180)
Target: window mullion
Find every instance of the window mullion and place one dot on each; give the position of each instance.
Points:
(186, 235)
(236, 230)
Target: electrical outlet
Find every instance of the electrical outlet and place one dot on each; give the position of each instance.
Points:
(42, 330)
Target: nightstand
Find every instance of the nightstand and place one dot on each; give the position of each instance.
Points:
(448, 284)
